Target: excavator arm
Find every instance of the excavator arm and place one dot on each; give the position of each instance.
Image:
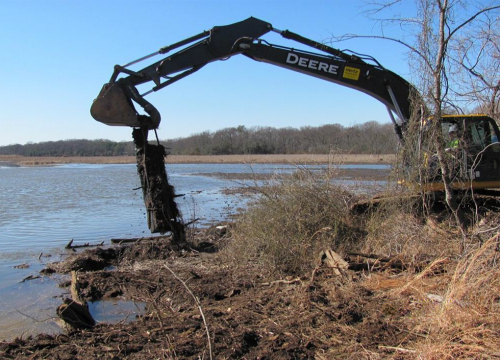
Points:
(115, 103)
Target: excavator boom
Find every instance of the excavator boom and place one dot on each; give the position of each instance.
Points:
(115, 103)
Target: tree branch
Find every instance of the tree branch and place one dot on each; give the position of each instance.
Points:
(469, 20)
(381, 37)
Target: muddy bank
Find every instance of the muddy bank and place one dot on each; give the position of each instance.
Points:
(247, 315)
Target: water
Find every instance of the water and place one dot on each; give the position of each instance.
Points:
(114, 311)
(43, 208)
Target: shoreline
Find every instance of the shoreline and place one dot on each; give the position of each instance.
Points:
(299, 159)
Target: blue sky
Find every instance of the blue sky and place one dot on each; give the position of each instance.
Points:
(57, 54)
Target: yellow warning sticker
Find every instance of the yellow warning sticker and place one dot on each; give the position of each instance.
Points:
(351, 73)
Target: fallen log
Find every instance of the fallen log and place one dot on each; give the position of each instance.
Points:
(30, 277)
(376, 263)
(75, 311)
(334, 261)
(162, 212)
(366, 205)
(369, 256)
(71, 246)
(133, 240)
(355, 263)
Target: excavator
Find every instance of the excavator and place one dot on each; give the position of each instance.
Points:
(117, 101)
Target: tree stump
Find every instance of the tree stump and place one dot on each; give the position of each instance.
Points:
(75, 311)
(162, 212)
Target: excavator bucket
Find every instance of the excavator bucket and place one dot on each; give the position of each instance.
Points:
(113, 107)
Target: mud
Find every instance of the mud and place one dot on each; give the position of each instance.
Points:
(247, 315)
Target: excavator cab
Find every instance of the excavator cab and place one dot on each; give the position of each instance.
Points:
(472, 151)
(481, 150)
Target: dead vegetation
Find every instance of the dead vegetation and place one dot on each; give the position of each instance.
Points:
(467, 323)
(295, 218)
(298, 276)
(202, 159)
(441, 294)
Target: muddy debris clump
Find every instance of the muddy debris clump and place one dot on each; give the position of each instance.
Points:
(159, 196)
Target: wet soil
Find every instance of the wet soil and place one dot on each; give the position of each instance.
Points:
(247, 315)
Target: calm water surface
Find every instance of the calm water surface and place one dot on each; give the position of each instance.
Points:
(43, 208)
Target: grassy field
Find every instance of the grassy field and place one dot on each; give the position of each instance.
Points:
(210, 159)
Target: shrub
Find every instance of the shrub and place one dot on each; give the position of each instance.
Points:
(294, 219)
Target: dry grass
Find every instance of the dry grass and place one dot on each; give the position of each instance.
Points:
(208, 159)
(398, 228)
(455, 298)
(284, 159)
(55, 160)
(467, 323)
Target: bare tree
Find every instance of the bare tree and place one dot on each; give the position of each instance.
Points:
(434, 37)
(476, 65)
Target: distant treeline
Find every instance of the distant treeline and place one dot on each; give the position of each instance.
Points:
(70, 148)
(368, 138)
